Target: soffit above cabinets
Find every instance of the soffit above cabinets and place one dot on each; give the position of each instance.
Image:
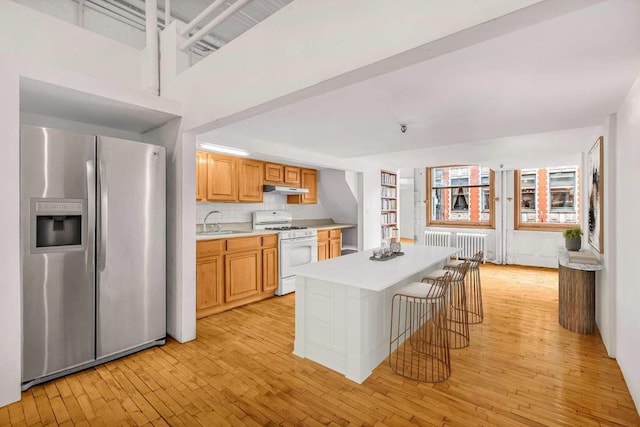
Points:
(45, 99)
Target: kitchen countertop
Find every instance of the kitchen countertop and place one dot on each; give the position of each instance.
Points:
(245, 233)
(332, 226)
(250, 232)
(359, 271)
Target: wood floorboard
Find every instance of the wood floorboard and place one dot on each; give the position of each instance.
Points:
(521, 369)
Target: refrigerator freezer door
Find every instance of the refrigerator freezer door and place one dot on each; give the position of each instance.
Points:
(57, 181)
(131, 255)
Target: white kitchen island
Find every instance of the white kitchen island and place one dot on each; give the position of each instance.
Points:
(343, 306)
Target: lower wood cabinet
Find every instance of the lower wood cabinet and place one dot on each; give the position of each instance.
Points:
(323, 250)
(329, 243)
(209, 271)
(242, 275)
(234, 272)
(335, 247)
(269, 269)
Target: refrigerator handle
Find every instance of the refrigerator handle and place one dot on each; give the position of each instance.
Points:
(91, 212)
(103, 212)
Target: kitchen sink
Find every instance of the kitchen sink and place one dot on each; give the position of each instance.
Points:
(220, 232)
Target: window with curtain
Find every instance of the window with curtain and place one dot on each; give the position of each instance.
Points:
(460, 196)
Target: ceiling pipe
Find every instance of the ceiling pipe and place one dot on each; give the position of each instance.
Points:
(136, 20)
(215, 22)
(81, 13)
(167, 12)
(153, 57)
(213, 41)
(191, 25)
(105, 8)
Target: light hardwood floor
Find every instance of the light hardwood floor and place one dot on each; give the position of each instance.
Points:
(521, 368)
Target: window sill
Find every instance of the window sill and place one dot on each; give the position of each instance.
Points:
(460, 225)
(545, 227)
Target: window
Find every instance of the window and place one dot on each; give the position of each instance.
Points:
(528, 191)
(460, 196)
(547, 198)
(562, 187)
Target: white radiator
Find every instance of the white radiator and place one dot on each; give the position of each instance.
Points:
(437, 238)
(471, 243)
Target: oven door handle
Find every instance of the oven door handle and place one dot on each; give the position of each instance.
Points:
(299, 240)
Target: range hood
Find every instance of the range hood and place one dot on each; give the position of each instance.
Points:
(284, 190)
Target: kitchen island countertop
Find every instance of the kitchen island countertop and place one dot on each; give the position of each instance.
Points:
(359, 271)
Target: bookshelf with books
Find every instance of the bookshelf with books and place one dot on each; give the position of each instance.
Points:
(388, 203)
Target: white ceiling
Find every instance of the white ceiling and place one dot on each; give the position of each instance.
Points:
(567, 72)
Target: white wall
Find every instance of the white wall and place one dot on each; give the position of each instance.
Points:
(407, 207)
(47, 43)
(371, 205)
(627, 154)
(524, 247)
(606, 279)
(559, 148)
(242, 212)
(98, 22)
(10, 303)
(183, 289)
(179, 325)
(336, 192)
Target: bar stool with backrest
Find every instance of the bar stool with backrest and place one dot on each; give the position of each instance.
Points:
(474, 290)
(419, 342)
(457, 313)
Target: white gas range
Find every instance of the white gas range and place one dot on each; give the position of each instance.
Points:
(296, 245)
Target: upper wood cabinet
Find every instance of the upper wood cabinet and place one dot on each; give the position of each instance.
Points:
(222, 178)
(309, 180)
(292, 176)
(201, 175)
(273, 173)
(250, 180)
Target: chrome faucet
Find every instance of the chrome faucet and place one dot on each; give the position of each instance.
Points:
(216, 225)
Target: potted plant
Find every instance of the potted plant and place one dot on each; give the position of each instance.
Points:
(572, 238)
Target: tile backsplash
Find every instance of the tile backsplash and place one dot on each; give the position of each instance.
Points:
(242, 212)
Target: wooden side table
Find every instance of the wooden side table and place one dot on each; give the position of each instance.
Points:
(576, 294)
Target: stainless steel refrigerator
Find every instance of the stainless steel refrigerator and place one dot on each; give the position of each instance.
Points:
(93, 250)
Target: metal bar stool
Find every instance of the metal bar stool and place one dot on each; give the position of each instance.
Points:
(457, 313)
(419, 342)
(474, 289)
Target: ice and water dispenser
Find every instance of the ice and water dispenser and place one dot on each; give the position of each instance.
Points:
(57, 224)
